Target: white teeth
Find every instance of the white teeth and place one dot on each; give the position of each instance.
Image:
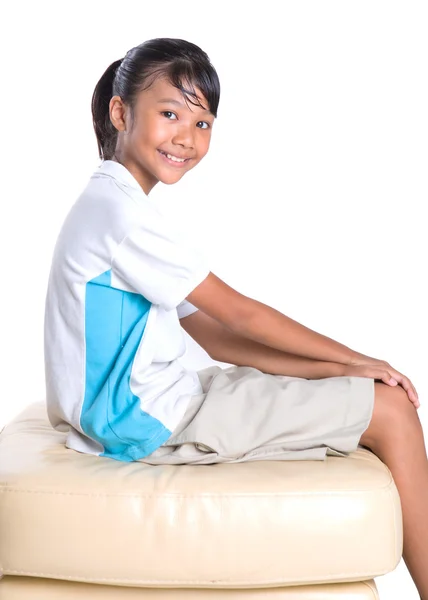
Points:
(174, 157)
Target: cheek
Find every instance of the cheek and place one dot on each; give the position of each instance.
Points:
(204, 144)
(159, 130)
(153, 133)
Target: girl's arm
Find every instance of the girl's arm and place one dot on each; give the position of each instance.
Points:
(256, 321)
(226, 346)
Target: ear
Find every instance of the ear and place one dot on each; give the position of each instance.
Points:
(117, 111)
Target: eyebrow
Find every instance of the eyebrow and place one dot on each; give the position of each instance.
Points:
(172, 101)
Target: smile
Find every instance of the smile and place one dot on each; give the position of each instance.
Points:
(173, 160)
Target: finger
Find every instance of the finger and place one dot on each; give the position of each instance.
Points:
(416, 403)
(393, 378)
(412, 386)
(410, 389)
(407, 386)
(400, 377)
(388, 379)
(403, 381)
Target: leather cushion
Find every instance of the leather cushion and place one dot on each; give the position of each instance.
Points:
(78, 517)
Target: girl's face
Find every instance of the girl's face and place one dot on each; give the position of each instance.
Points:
(163, 124)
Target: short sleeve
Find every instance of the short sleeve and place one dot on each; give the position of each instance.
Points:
(158, 262)
(185, 308)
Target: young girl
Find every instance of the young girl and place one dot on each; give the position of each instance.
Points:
(125, 282)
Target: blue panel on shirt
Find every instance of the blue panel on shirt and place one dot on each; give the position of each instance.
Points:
(114, 324)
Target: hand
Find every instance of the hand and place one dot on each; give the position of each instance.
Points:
(380, 369)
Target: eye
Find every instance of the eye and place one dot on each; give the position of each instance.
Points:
(168, 112)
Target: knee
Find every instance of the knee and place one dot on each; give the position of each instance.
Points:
(394, 420)
(396, 412)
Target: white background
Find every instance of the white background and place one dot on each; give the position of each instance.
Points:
(310, 199)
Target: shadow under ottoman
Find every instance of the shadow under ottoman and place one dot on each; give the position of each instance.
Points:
(75, 525)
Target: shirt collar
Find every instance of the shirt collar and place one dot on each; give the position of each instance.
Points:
(120, 172)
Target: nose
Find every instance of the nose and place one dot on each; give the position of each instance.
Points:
(184, 136)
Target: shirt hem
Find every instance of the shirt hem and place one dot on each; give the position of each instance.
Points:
(130, 454)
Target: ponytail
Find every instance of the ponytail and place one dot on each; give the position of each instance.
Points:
(105, 131)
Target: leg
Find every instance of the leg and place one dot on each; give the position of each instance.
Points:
(395, 435)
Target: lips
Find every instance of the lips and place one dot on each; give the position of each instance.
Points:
(174, 155)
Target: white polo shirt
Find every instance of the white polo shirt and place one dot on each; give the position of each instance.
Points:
(119, 278)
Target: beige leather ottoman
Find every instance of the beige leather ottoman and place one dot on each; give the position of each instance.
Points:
(80, 526)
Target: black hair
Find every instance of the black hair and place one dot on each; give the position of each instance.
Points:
(179, 61)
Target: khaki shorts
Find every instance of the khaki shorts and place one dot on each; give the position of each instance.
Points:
(244, 414)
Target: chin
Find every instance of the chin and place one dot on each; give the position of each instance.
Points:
(169, 180)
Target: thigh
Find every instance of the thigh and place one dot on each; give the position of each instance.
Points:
(245, 414)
